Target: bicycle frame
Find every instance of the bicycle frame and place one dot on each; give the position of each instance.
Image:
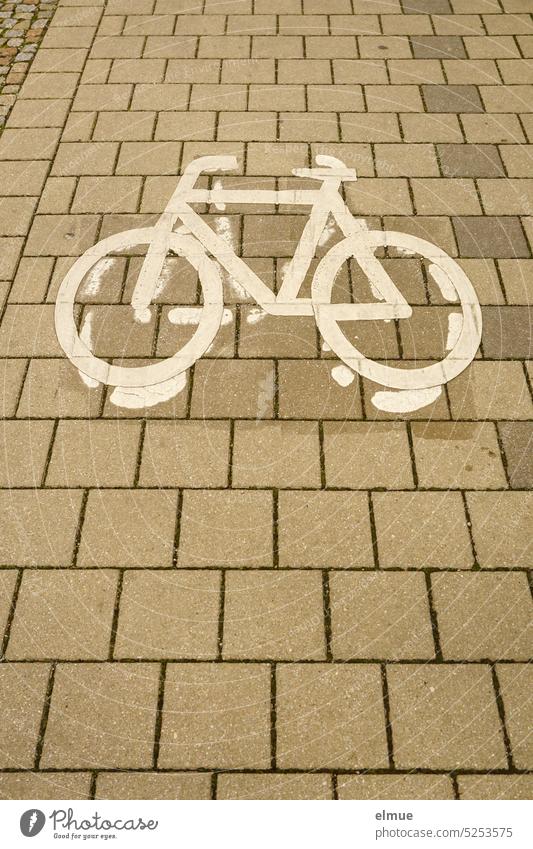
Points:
(324, 202)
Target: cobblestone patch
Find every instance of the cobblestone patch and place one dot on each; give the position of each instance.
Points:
(22, 27)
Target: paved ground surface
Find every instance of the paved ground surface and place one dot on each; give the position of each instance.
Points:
(22, 26)
(266, 587)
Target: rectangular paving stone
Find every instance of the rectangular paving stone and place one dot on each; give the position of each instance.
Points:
(216, 716)
(25, 446)
(21, 177)
(457, 455)
(495, 786)
(452, 98)
(237, 389)
(22, 695)
(517, 441)
(307, 389)
(401, 786)
(316, 707)
(516, 686)
(28, 330)
(170, 615)
(274, 786)
(230, 528)
(85, 158)
(490, 236)
(324, 529)
(495, 390)
(444, 716)
(8, 580)
(501, 527)
(359, 455)
(422, 530)
(275, 336)
(121, 701)
(507, 332)
(376, 615)
(63, 615)
(112, 458)
(45, 785)
(276, 454)
(185, 454)
(12, 373)
(483, 615)
(273, 615)
(61, 235)
(38, 527)
(438, 47)
(106, 97)
(146, 785)
(468, 160)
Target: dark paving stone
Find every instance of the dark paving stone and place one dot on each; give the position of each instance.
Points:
(438, 47)
(470, 160)
(517, 441)
(490, 236)
(507, 333)
(452, 98)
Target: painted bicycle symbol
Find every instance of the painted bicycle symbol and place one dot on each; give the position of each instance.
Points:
(206, 251)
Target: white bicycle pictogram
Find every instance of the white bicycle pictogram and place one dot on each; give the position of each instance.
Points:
(205, 250)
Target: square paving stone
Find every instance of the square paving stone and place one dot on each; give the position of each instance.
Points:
(483, 616)
(168, 614)
(274, 615)
(226, 528)
(94, 453)
(324, 529)
(185, 454)
(367, 455)
(330, 717)
(63, 615)
(278, 454)
(376, 615)
(128, 528)
(216, 716)
(457, 455)
(101, 716)
(508, 333)
(444, 717)
(422, 529)
(38, 527)
(501, 527)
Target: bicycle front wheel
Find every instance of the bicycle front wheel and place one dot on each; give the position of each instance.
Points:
(450, 277)
(210, 313)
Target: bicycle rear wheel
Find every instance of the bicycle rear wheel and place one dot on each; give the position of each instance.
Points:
(100, 370)
(449, 276)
